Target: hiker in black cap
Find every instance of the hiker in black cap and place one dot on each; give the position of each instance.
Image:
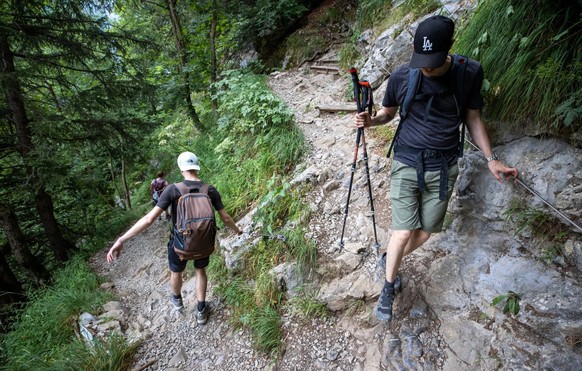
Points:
(437, 93)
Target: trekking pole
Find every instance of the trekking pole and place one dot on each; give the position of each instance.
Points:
(367, 95)
(363, 97)
(358, 136)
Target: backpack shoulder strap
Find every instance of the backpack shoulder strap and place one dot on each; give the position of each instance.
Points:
(204, 188)
(460, 63)
(182, 188)
(414, 78)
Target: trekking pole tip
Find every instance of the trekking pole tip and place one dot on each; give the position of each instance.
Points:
(341, 246)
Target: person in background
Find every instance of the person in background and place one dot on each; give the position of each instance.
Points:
(157, 186)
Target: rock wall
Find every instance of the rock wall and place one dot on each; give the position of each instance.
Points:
(485, 258)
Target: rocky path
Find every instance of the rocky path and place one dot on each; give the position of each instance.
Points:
(443, 317)
(173, 340)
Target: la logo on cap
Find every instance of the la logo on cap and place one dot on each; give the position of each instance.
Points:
(426, 45)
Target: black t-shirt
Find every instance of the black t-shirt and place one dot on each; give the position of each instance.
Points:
(171, 195)
(441, 129)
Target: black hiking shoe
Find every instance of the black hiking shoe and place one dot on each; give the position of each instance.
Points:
(383, 310)
(177, 303)
(202, 315)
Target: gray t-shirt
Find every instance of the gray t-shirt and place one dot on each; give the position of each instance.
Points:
(440, 130)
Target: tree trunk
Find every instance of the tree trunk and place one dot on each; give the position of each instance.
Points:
(18, 245)
(181, 49)
(43, 201)
(44, 206)
(213, 64)
(11, 292)
(125, 186)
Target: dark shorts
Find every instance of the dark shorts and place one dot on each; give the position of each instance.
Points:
(176, 265)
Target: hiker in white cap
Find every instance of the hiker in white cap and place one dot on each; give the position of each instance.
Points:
(192, 184)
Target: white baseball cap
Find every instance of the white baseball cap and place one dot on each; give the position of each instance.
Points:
(188, 161)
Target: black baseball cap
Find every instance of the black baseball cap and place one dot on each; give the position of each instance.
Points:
(432, 41)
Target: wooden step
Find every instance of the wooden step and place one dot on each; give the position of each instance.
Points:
(339, 107)
(325, 69)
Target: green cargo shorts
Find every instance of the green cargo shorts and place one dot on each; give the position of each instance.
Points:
(412, 209)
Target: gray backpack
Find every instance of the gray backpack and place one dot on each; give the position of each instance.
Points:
(195, 228)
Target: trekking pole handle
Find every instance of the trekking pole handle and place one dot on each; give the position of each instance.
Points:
(367, 98)
(356, 83)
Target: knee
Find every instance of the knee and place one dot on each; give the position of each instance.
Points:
(421, 235)
(201, 272)
(401, 236)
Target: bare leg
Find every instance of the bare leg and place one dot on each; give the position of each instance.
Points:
(176, 282)
(402, 243)
(416, 240)
(201, 283)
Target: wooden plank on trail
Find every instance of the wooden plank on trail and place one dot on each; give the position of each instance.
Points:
(338, 107)
(325, 69)
(326, 61)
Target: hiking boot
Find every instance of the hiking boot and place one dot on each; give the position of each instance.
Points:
(383, 310)
(177, 303)
(202, 315)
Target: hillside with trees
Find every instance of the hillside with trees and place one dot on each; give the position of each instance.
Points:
(99, 95)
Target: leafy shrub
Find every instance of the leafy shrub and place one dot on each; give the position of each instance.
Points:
(247, 104)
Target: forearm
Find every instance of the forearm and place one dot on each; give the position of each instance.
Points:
(478, 132)
(228, 221)
(381, 118)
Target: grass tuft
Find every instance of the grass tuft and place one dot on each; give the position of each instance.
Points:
(531, 60)
(45, 335)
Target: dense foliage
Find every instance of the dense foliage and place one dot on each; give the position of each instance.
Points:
(531, 55)
(77, 104)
